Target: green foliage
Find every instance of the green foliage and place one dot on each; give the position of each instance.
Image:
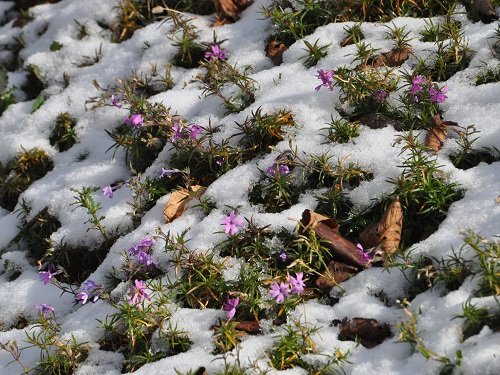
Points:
(6, 98)
(342, 131)
(423, 190)
(488, 75)
(18, 174)
(467, 156)
(55, 46)
(314, 53)
(295, 341)
(476, 318)
(354, 35)
(234, 87)
(63, 135)
(57, 356)
(84, 199)
(184, 36)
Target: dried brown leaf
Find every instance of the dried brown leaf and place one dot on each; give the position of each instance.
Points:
(436, 137)
(251, 327)
(336, 273)
(233, 8)
(274, 50)
(178, 200)
(368, 331)
(390, 227)
(393, 58)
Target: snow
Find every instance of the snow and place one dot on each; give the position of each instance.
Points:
(289, 86)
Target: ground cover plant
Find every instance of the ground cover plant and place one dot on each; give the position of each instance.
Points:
(249, 187)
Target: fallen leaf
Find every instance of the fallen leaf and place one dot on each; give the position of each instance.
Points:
(485, 10)
(393, 58)
(435, 138)
(327, 230)
(274, 50)
(368, 331)
(387, 232)
(336, 273)
(233, 8)
(251, 327)
(178, 200)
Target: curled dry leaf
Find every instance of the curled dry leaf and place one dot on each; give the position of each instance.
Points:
(387, 233)
(336, 273)
(251, 327)
(435, 138)
(368, 331)
(233, 8)
(274, 50)
(328, 231)
(393, 58)
(178, 200)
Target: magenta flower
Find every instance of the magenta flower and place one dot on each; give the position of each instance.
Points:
(107, 191)
(47, 276)
(137, 292)
(230, 307)
(82, 297)
(43, 308)
(438, 96)
(194, 130)
(115, 100)
(178, 132)
(216, 54)
(365, 255)
(135, 120)
(380, 96)
(232, 223)
(297, 284)
(279, 292)
(416, 84)
(326, 79)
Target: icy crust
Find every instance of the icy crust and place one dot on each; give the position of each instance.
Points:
(289, 86)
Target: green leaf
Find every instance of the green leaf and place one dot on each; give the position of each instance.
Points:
(38, 102)
(55, 46)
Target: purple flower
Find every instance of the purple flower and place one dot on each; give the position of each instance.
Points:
(178, 132)
(279, 292)
(220, 161)
(326, 79)
(144, 259)
(143, 245)
(283, 169)
(282, 256)
(438, 96)
(165, 172)
(115, 100)
(365, 255)
(43, 308)
(138, 293)
(135, 120)
(47, 276)
(194, 130)
(380, 96)
(416, 84)
(232, 223)
(217, 53)
(107, 191)
(82, 297)
(297, 284)
(230, 307)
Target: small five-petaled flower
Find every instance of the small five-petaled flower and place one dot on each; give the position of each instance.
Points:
(232, 223)
(138, 293)
(44, 309)
(216, 53)
(135, 120)
(326, 77)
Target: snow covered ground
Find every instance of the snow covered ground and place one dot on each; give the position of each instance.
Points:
(288, 86)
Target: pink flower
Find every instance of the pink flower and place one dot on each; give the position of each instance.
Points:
(135, 120)
(380, 96)
(230, 307)
(232, 223)
(296, 283)
(279, 292)
(194, 130)
(216, 54)
(178, 132)
(438, 96)
(282, 170)
(138, 293)
(43, 308)
(326, 79)
(365, 255)
(416, 84)
(47, 276)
